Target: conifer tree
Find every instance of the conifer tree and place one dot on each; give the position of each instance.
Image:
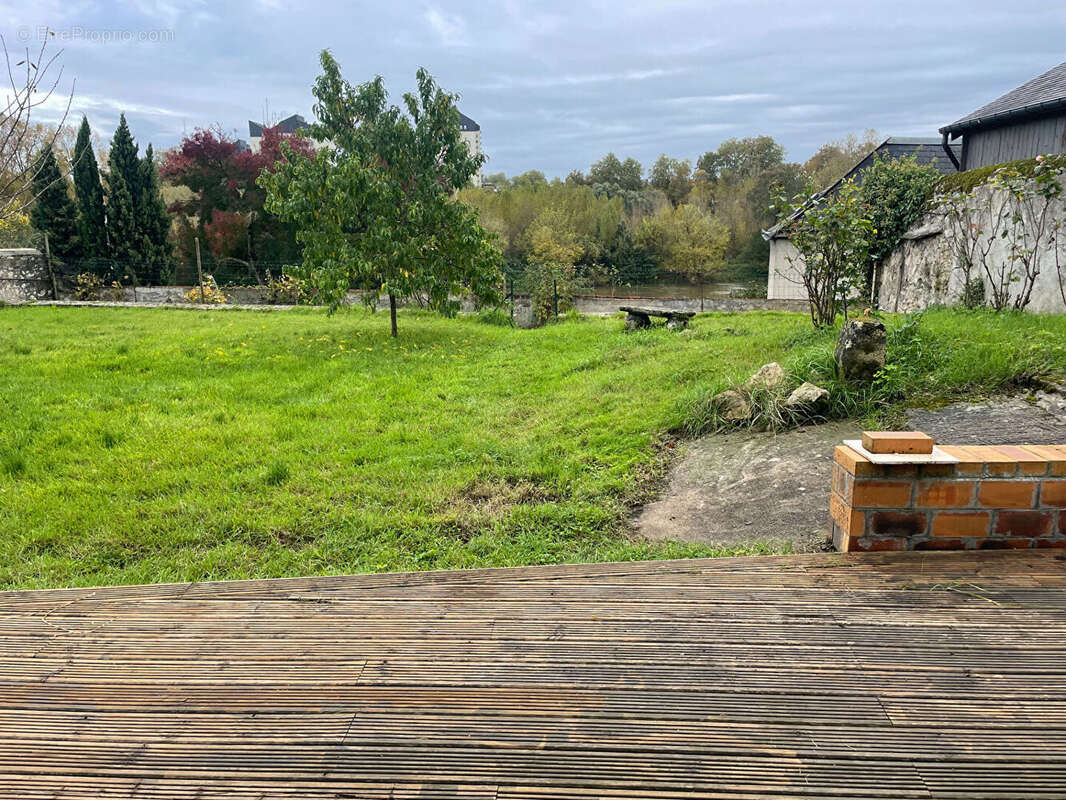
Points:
(89, 195)
(154, 222)
(124, 193)
(53, 211)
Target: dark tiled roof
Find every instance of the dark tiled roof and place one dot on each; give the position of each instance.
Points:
(287, 125)
(467, 124)
(1044, 92)
(925, 149)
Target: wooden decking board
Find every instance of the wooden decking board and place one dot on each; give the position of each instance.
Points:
(860, 676)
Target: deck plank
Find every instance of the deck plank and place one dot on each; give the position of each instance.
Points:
(861, 676)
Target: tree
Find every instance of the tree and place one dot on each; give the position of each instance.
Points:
(610, 171)
(831, 233)
(896, 193)
(834, 159)
(89, 194)
(224, 196)
(124, 200)
(33, 83)
(53, 211)
(154, 223)
(377, 209)
(688, 241)
(672, 177)
(741, 158)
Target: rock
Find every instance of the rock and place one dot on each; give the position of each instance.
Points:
(769, 377)
(860, 350)
(808, 396)
(636, 322)
(732, 405)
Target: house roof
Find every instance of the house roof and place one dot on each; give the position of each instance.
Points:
(1042, 95)
(296, 122)
(467, 124)
(925, 149)
(287, 125)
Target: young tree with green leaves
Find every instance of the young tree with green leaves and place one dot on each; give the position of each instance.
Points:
(53, 211)
(89, 194)
(124, 200)
(831, 233)
(688, 241)
(377, 209)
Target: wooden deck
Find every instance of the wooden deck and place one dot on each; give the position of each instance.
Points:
(902, 675)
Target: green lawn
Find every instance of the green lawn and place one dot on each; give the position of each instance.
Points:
(167, 445)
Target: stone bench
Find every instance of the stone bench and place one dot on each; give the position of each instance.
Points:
(638, 317)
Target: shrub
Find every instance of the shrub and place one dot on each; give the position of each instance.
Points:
(286, 289)
(88, 286)
(210, 294)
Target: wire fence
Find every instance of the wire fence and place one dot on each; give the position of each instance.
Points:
(520, 279)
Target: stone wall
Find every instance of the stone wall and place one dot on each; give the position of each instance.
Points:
(157, 295)
(922, 270)
(24, 276)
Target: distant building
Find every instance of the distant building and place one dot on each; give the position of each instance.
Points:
(288, 125)
(471, 133)
(785, 281)
(468, 129)
(1025, 122)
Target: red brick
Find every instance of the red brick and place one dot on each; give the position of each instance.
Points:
(944, 494)
(880, 494)
(1049, 542)
(1028, 463)
(1027, 524)
(1006, 494)
(969, 464)
(996, 462)
(897, 442)
(965, 524)
(1056, 456)
(1053, 493)
(897, 523)
(850, 521)
(942, 544)
(855, 463)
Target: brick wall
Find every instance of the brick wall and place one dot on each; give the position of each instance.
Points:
(994, 497)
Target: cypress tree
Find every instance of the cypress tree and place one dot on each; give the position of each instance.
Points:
(154, 222)
(124, 193)
(89, 194)
(53, 210)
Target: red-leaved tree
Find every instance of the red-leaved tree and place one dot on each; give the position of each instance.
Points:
(224, 207)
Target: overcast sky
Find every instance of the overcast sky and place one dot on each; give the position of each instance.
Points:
(556, 84)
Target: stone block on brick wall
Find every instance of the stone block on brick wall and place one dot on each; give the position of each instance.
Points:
(860, 350)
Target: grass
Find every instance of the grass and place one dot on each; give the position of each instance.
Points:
(166, 445)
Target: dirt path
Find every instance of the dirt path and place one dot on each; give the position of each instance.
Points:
(740, 488)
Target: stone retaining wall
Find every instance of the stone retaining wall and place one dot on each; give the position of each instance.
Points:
(24, 276)
(994, 497)
(923, 271)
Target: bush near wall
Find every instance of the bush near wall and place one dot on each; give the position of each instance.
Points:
(972, 178)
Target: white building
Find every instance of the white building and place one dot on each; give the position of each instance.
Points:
(785, 281)
(471, 133)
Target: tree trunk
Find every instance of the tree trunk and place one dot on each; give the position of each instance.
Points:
(392, 312)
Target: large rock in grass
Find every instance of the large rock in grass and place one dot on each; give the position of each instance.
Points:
(808, 397)
(732, 405)
(860, 350)
(770, 377)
